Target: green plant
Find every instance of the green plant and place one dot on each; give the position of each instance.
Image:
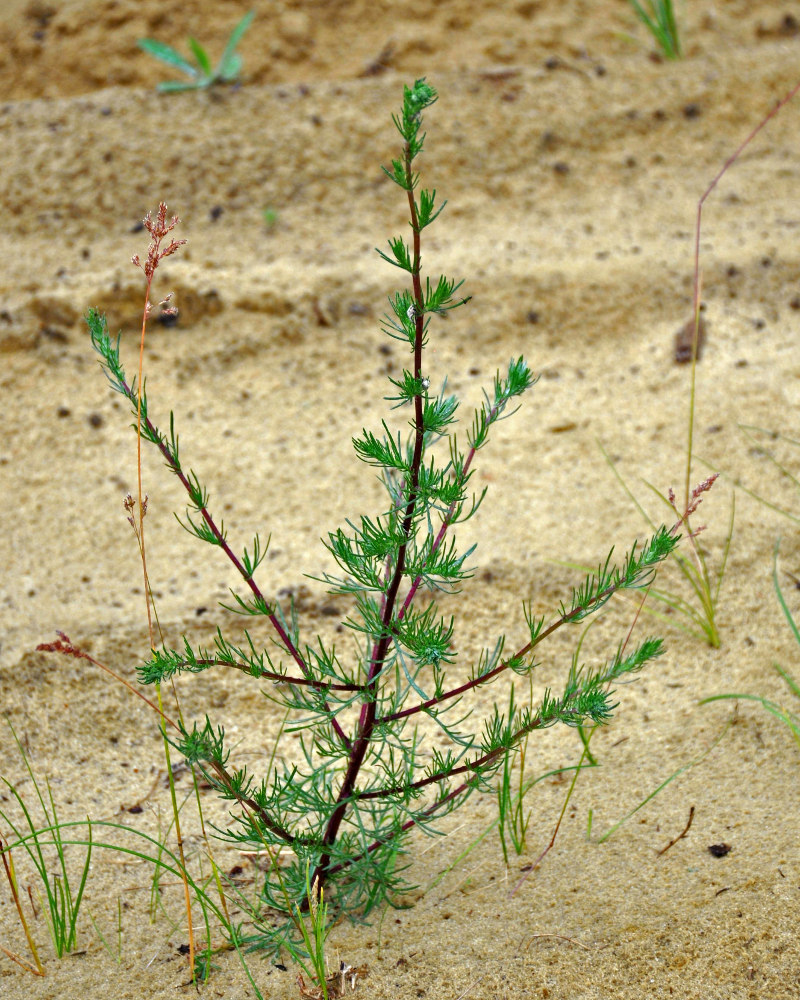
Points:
(658, 16)
(58, 896)
(789, 718)
(314, 928)
(62, 903)
(602, 838)
(337, 819)
(203, 74)
(699, 609)
(705, 583)
(270, 216)
(705, 586)
(512, 818)
(116, 952)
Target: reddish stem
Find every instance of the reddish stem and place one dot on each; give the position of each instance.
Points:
(366, 722)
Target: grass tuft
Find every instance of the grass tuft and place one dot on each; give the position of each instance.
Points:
(658, 16)
(59, 895)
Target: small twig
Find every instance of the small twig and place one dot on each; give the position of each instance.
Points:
(65, 646)
(471, 987)
(557, 937)
(541, 857)
(21, 962)
(680, 835)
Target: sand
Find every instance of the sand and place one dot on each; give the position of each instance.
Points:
(572, 159)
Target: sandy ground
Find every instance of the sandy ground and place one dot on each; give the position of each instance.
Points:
(572, 160)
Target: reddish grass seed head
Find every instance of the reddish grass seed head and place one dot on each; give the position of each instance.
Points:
(158, 229)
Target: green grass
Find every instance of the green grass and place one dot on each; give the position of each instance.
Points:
(658, 16)
(60, 893)
(609, 833)
(696, 610)
(61, 887)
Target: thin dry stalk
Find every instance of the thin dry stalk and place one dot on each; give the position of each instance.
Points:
(697, 277)
(8, 864)
(159, 229)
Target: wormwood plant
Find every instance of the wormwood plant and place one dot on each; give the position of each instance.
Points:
(338, 820)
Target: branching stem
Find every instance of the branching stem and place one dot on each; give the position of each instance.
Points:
(366, 722)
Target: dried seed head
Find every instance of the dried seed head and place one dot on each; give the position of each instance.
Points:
(63, 645)
(158, 229)
(315, 896)
(698, 491)
(130, 505)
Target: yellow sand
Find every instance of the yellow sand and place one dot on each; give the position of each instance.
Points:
(572, 161)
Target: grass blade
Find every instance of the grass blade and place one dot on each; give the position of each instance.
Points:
(168, 55)
(675, 774)
(201, 56)
(230, 64)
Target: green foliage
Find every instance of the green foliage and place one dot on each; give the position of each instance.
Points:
(270, 216)
(658, 16)
(58, 895)
(512, 817)
(699, 609)
(116, 952)
(202, 74)
(334, 823)
(48, 845)
(314, 928)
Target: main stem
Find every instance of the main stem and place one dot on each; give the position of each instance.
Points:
(366, 722)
